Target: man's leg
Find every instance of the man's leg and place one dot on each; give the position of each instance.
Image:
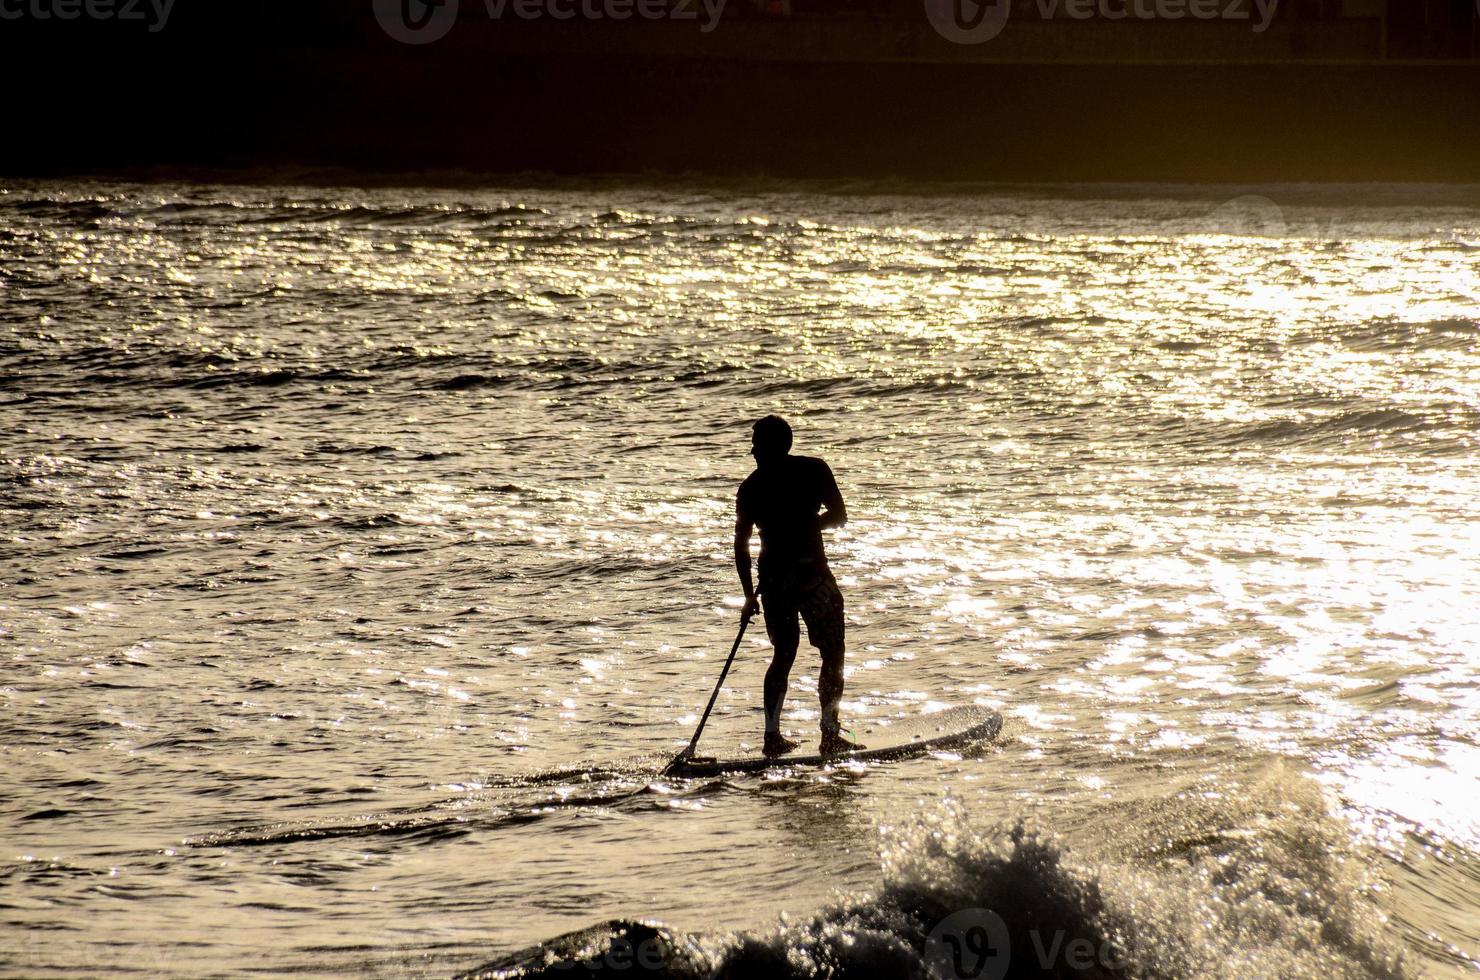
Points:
(823, 612)
(781, 626)
(830, 689)
(776, 676)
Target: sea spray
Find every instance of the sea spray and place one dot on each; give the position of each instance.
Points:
(1238, 877)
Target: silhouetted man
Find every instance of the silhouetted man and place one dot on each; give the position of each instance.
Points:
(783, 498)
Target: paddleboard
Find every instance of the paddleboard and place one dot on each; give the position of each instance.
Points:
(886, 739)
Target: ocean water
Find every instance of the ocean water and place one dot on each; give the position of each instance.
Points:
(364, 552)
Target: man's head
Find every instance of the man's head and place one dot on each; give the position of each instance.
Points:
(770, 439)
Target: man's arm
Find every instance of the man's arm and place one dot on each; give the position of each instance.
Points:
(743, 526)
(835, 513)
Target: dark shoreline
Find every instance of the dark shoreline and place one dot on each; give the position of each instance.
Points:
(263, 85)
(1050, 123)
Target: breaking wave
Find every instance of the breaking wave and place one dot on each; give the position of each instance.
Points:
(1252, 879)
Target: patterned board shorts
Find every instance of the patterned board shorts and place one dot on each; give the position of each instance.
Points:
(811, 592)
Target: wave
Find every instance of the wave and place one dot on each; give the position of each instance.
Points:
(165, 208)
(163, 366)
(1226, 880)
(1398, 335)
(864, 386)
(1319, 429)
(506, 803)
(154, 211)
(1436, 430)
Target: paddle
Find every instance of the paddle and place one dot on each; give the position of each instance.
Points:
(694, 742)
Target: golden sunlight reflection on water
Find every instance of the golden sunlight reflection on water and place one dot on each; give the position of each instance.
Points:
(372, 502)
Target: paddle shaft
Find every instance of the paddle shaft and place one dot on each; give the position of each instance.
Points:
(694, 742)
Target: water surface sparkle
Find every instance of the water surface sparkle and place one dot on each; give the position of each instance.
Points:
(337, 512)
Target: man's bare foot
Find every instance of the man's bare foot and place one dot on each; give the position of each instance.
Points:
(833, 743)
(777, 744)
